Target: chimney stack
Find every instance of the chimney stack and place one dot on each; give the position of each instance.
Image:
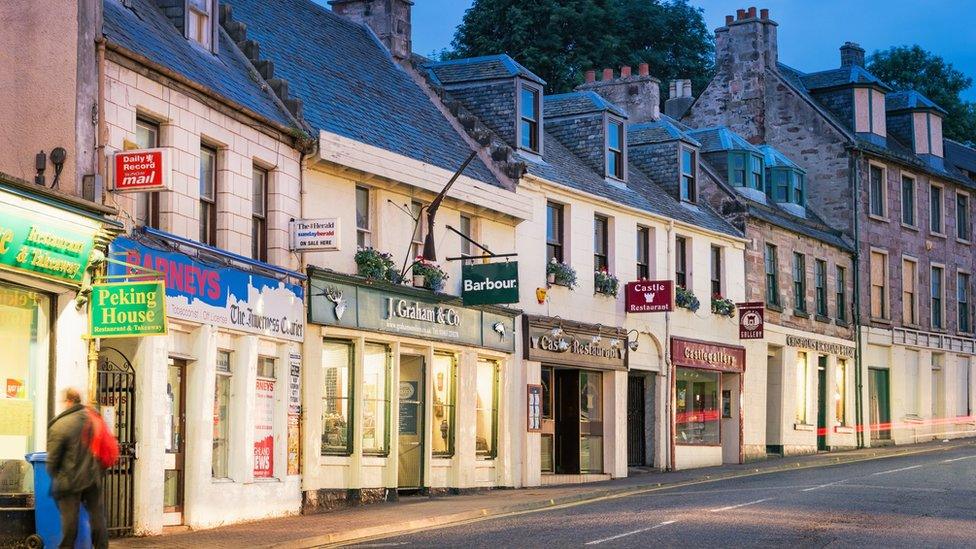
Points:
(638, 95)
(643, 70)
(389, 20)
(625, 71)
(679, 98)
(590, 76)
(607, 75)
(851, 54)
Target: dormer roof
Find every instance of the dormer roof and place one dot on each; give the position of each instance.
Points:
(776, 159)
(661, 130)
(844, 76)
(910, 100)
(474, 69)
(579, 103)
(720, 138)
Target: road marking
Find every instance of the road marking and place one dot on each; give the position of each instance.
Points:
(957, 459)
(824, 485)
(618, 536)
(739, 505)
(896, 488)
(896, 470)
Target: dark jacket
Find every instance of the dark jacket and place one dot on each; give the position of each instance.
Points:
(70, 462)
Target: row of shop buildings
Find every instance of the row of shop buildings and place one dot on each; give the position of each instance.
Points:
(604, 286)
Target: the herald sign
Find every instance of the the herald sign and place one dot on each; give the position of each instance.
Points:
(142, 170)
(650, 296)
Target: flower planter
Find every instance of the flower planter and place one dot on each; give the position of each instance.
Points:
(560, 274)
(419, 281)
(551, 278)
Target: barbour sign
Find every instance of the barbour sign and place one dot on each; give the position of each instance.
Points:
(490, 283)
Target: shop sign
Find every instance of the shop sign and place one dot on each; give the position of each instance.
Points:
(334, 303)
(751, 319)
(264, 429)
(142, 170)
(576, 346)
(490, 283)
(221, 296)
(127, 309)
(294, 412)
(845, 351)
(534, 408)
(692, 353)
(314, 234)
(650, 296)
(408, 407)
(56, 249)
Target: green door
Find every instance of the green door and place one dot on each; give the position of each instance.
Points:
(411, 427)
(822, 404)
(880, 412)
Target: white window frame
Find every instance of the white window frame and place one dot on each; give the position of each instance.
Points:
(942, 298)
(914, 261)
(212, 22)
(609, 119)
(886, 301)
(521, 84)
(884, 192)
(366, 231)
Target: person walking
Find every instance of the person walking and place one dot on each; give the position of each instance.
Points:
(76, 474)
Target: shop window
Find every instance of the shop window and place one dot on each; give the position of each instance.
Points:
(643, 253)
(486, 408)
(444, 372)
(208, 196)
(547, 449)
(697, 406)
(554, 232)
(337, 364)
(802, 375)
(841, 294)
(259, 213)
(221, 419)
(147, 204)
(264, 414)
(840, 392)
(591, 422)
(376, 399)
(24, 331)
(363, 235)
(909, 281)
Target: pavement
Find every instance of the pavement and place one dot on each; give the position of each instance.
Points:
(800, 501)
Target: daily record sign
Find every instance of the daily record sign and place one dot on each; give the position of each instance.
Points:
(314, 234)
(142, 170)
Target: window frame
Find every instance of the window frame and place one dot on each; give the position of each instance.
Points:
(536, 125)
(496, 375)
(211, 16)
(753, 165)
(469, 231)
(688, 184)
(349, 399)
(259, 220)
(840, 392)
(820, 288)
(933, 267)
(557, 247)
(388, 400)
(717, 280)
(885, 287)
(941, 232)
(681, 259)
(601, 244)
(620, 154)
(151, 198)
(771, 259)
(366, 231)
(800, 284)
(418, 211)
(227, 376)
(883, 199)
(643, 253)
(914, 209)
(961, 312)
(209, 205)
(967, 224)
(452, 412)
(913, 261)
(840, 293)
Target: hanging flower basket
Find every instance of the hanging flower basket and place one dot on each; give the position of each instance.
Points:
(560, 274)
(376, 265)
(723, 306)
(605, 283)
(430, 275)
(685, 299)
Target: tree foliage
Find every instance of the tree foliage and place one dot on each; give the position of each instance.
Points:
(913, 68)
(560, 39)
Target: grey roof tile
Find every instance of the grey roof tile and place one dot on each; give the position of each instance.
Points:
(659, 131)
(578, 103)
(775, 159)
(720, 138)
(842, 76)
(473, 69)
(909, 99)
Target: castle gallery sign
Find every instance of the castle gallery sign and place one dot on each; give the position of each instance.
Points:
(579, 345)
(335, 302)
(691, 353)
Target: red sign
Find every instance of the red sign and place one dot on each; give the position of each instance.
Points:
(692, 353)
(751, 319)
(264, 429)
(142, 170)
(650, 296)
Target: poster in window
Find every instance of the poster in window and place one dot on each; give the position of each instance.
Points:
(534, 408)
(294, 439)
(264, 429)
(726, 404)
(408, 407)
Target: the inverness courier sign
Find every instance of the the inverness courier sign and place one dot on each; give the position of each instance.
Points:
(691, 353)
(142, 170)
(490, 283)
(127, 309)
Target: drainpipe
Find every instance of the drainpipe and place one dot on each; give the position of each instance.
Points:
(101, 137)
(669, 368)
(858, 376)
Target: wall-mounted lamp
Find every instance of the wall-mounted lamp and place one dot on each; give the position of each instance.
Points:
(632, 345)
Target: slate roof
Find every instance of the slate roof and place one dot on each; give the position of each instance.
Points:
(910, 99)
(960, 156)
(578, 103)
(473, 69)
(720, 138)
(843, 76)
(142, 29)
(351, 86)
(659, 131)
(560, 166)
(775, 159)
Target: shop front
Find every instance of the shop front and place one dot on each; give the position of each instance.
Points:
(582, 369)
(707, 416)
(48, 241)
(217, 399)
(410, 391)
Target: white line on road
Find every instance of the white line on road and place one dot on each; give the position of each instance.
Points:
(739, 505)
(824, 485)
(957, 459)
(618, 536)
(896, 470)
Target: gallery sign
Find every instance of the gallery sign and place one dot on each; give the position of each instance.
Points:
(340, 301)
(692, 353)
(751, 319)
(490, 283)
(142, 170)
(222, 296)
(574, 344)
(649, 296)
(41, 244)
(128, 309)
(314, 234)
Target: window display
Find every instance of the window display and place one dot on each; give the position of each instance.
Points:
(376, 398)
(442, 436)
(337, 397)
(696, 407)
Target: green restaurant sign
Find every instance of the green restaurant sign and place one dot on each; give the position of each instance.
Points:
(490, 283)
(128, 309)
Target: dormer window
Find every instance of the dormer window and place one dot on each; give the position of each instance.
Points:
(529, 109)
(928, 133)
(201, 23)
(689, 167)
(787, 185)
(615, 149)
(869, 111)
(746, 170)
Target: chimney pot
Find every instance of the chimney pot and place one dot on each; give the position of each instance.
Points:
(643, 69)
(740, 15)
(764, 14)
(607, 74)
(590, 76)
(752, 12)
(729, 19)
(625, 71)
(851, 54)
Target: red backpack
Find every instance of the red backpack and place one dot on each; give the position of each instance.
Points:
(102, 442)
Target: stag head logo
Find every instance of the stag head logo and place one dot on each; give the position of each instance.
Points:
(335, 296)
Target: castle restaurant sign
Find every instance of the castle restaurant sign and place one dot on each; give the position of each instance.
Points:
(579, 345)
(345, 302)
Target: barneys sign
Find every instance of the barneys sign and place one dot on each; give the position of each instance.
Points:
(142, 170)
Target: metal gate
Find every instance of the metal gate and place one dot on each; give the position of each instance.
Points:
(636, 455)
(117, 399)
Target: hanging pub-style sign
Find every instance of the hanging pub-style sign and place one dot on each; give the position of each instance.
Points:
(490, 283)
(128, 309)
